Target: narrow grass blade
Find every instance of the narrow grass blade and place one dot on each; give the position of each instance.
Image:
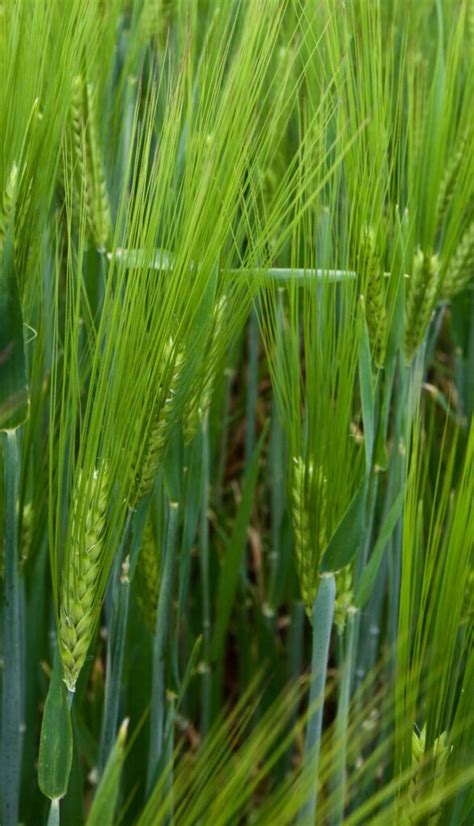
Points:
(348, 535)
(230, 571)
(12, 712)
(369, 574)
(102, 811)
(14, 401)
(158, 698)
(367, 394)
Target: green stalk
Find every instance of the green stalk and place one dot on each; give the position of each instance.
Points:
(277, 492)
(12, 712)
(54, 813)
(229, 378)
(322, 617)
(342, 719)
(192, 504)
(122, 576)
(252, 387)
(295, 661)
(162, 628)
(205, 585)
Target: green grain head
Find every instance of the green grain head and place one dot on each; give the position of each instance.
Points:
(162, 420)
(423, 291)
(199, 402)
(78, 604)
(460, 271)
(371, 278)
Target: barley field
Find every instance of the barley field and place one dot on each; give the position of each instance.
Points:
(236, 397)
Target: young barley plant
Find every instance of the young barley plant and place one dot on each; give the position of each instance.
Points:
(236, 360)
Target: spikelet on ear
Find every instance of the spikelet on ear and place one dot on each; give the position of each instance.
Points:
(301, 532)
(87, 162)
(77, 613)
(450, 178)
(147, 577)
(199, 402)
(155, 21)
(423, 291)
(308, 544)
(144, 471)
(8, 202)
(370, 272)
(26, 534)
(344, 598)
(461, 267)
(434, 765)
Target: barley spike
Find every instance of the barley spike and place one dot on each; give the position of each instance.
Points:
(200, 400)
(77, 614)
(376, 313)
(461, 268)
(159, 430)
(422, 294)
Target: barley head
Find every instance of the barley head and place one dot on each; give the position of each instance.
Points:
(89, 177)
(450, 178)
(308, 542)
(369, 264)
(436, 762)
(461, 268)
(8, 202)
(422, 294)
(77, 615)
(199, 402)
(145, 472)
(344, 597)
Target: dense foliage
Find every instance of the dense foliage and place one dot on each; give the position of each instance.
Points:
(236, 395)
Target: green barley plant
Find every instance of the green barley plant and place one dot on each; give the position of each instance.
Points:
(236, 360)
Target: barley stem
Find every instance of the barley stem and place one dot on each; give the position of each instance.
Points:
(162, 629)
(322, 616)
(342, 723)
(117, 627)
(12, 712)
(205, 583)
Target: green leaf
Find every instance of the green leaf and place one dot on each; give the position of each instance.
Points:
(190, 668)
(13, 385)
(366, 392)
(105, 801)
(345, 541)
(369, 574)
(231, 567)
(55, 754)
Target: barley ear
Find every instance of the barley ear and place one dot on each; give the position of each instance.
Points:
(8, 202)
(26, 534)
(300, 518)
(155, 21)
(199, 402)
(344, 598)
(369, 265)
(145, 473)
(423, 291)
(89, 174)
(435, 763)
(461, 267)
(100, 208)
(78, 606)
(450, 179)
